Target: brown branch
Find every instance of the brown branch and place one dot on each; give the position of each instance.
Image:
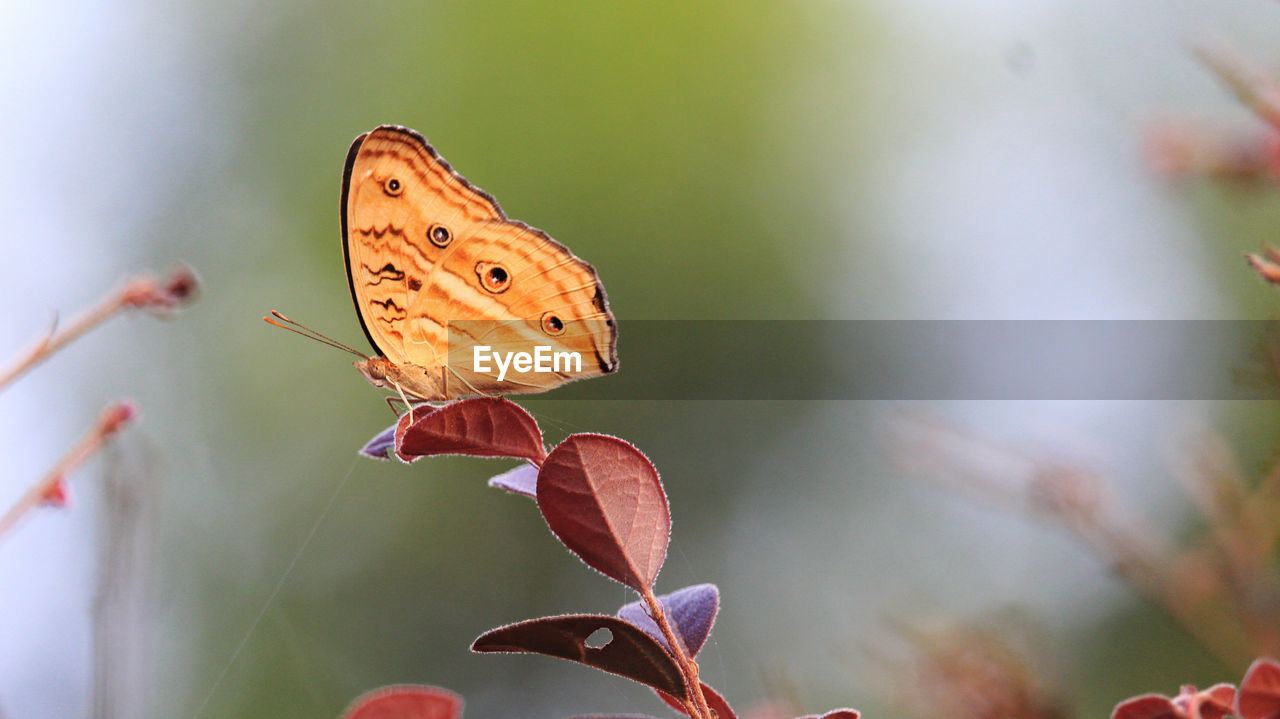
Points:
(1267, 264)
(1222, 634)
(1076, 500)
(141, 292)
(697, 702)
(1257, 92)
(51, 486)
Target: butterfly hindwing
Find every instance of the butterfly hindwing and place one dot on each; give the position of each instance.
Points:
(510, 288)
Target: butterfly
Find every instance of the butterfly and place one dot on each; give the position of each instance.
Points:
(457, 299)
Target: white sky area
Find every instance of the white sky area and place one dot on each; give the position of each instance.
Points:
(1007, 193)
(83, 85)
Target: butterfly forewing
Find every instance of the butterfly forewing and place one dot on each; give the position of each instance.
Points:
(437, 269)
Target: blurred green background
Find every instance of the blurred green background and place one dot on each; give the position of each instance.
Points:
(771, 160)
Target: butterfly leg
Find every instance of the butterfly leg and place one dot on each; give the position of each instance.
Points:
(392, 402)
(410, 404)
(403, 398)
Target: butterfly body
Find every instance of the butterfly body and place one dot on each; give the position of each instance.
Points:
(426, 383)
(439, 275)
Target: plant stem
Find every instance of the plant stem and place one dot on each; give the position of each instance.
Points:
(1135, 562)
(1255, 91)
(696, 701)
(143, 291)
(55, 340)
(110, 421)
(1266, 266)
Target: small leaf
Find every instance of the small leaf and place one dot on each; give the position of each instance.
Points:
(518, 480)
(1147, 706)
(602, 498)
(407, 701)
(480, 427)
(1217, 701)
(630, 653)
(1259, 695)
(412, 416)
(835, 714)
(715, 702)
(691, 611)
(381, 444)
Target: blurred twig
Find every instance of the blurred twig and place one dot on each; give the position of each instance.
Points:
(1252, 88)
(52, 487)
(1266, 264)
(971, 669)
(1223, 592)
(141, 292)
(1177, 149)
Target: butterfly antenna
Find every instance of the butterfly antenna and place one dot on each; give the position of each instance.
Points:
(305, 331)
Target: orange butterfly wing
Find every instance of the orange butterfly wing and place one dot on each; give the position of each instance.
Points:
(436, 269)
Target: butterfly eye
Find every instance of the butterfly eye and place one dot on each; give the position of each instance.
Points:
(440, 235)
(494, 278)
(392, 187)
(552, 324)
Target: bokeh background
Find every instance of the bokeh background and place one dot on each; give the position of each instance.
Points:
(916, 159)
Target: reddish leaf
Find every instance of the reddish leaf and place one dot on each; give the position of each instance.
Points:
(602, 498)
(691, 611)
(1147, 706)
(629, 652)
(1259, 695)
(481, 427)
(413, 416)
(613, 716)
(1217, 701)
(835, 714)
(715, 702)
(518, 480)
(406, 702)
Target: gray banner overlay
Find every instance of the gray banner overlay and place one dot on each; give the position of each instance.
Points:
(938, 360)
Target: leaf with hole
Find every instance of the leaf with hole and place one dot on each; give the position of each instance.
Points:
(480, 427)
(602, 498)
(691, 611)
(625, 650)
(407, 701)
